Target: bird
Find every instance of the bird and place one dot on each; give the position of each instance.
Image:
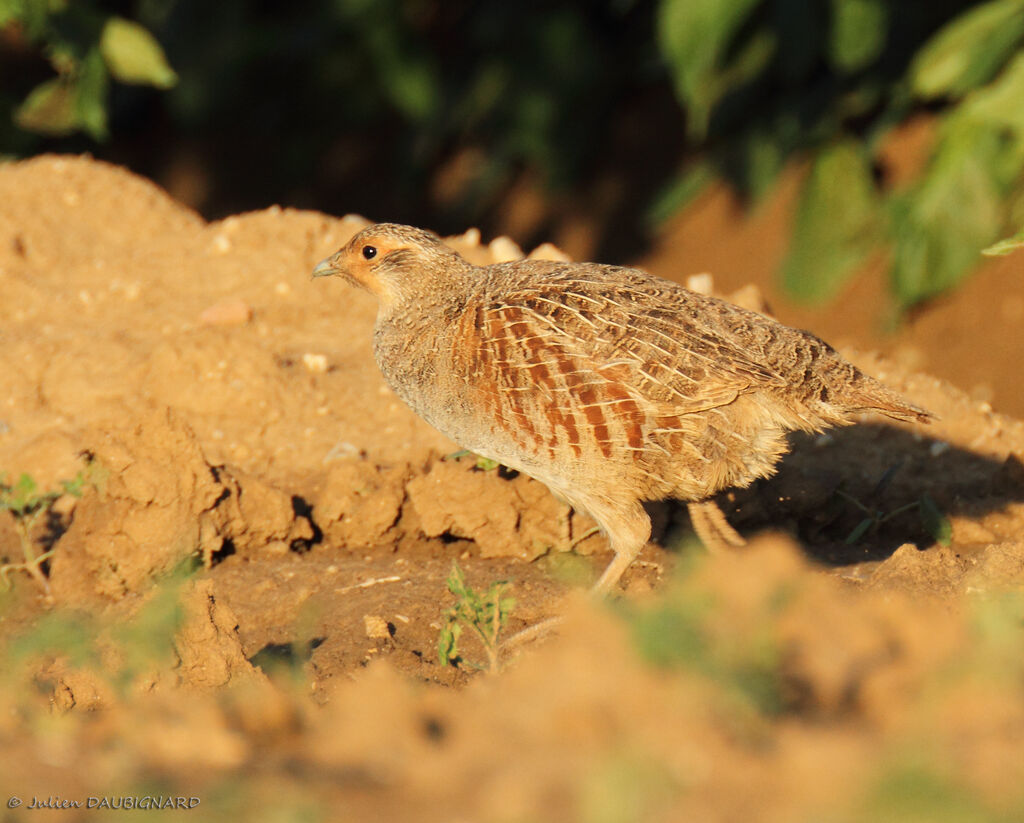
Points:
(606, 383)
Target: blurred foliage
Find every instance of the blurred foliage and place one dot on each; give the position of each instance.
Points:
(760, 80)
(1004, 247)
(29, 505)
(85, 47)
(431, 112)
(684, 630)
(121, 652)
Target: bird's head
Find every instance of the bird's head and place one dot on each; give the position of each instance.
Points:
(393, 262)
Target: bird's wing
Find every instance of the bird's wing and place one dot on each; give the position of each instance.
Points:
(651, 340)
(569, 366)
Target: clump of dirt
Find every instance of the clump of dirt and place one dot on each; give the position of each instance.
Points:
(155, 502)
(247, 597)
(505, 516)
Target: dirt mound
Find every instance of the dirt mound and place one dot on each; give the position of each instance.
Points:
(247, 597)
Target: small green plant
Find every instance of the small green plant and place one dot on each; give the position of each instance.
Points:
(28, 504)
(485, 464)
(933, 521)
(484, 614)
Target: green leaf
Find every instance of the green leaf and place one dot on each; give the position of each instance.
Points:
(837, 223)
(858, 33)
(957, 209)
(10, 10)
(761, 157)
(49, 109)
(413, 88)
(448, 642)
(679, 193)
(91, 95)
(694, 37)
(26, 486)
(457, 582)
(133, 55)
(77, 100)
(32, 14)
(1005, 246)
(942, 223)
(934, 521)
(859, 531)
(997, 105)
(968, 51)
(76, 485)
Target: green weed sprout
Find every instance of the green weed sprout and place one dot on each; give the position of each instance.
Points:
(932, 519)
(485, 464)
(28, 504)
(485, 614)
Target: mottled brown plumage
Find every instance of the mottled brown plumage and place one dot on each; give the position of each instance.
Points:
(607, 384)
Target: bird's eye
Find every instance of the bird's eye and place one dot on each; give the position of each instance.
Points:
(369, 252)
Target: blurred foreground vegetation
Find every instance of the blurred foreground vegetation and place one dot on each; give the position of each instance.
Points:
(96, 705)
(434, 112)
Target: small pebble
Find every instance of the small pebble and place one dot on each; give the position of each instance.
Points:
(231, 311)
(471, 237)
(277, 547)
(315, 363)
(505, 250)
(376, 627)
(549, 251)
(702, 283)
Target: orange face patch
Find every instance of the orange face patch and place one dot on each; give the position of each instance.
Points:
(360, 259)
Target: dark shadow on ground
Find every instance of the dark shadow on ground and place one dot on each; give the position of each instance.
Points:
(830, 484)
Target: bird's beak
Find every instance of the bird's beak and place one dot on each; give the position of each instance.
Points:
(326, 267)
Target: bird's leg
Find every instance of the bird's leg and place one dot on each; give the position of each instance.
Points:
(628, 532)
(712, 528)
(609, 579)
(614, 571)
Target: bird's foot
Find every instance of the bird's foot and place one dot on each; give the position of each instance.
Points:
(538, 631)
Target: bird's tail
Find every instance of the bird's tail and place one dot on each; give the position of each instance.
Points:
(868, 394)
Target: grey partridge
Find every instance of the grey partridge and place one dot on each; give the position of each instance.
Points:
(609, 385)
